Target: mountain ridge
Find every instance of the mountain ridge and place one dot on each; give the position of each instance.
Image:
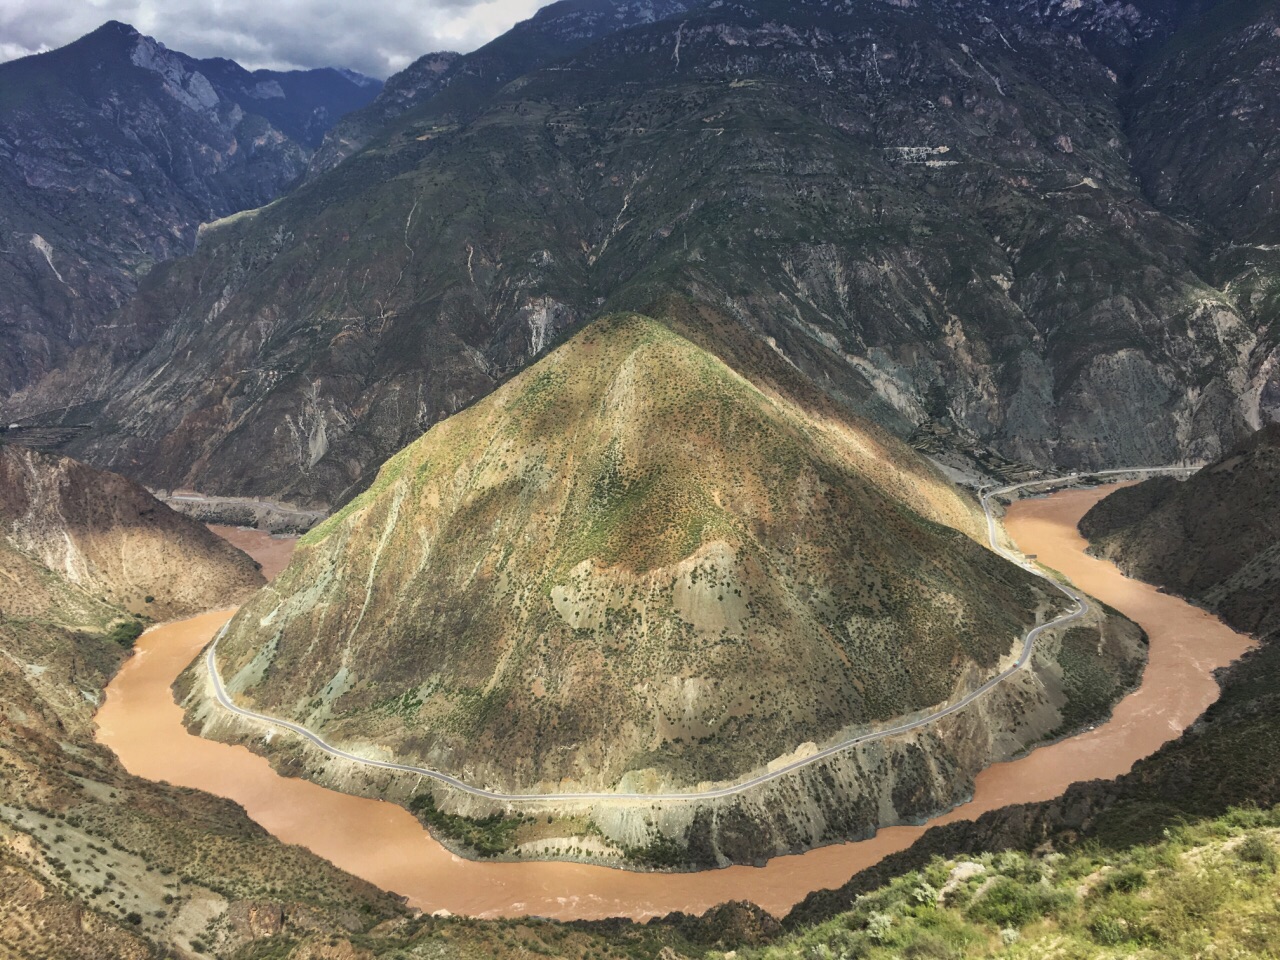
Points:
(115, 149)
(960, 263)
(553, 32)
(111, 539)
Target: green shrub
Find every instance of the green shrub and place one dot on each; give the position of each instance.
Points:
(928, 946)
(1125, 880)
(1109, 931)
(487, 836)
(1010, 903)
(1190, 901)
(125, 633)
(1257, 849)
(659, 852)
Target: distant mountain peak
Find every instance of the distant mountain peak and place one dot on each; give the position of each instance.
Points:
(116, 27)
(118, 130)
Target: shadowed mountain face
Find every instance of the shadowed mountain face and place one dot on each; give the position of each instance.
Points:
(930, 210)
(1204, 141)
(1204, 122)
(554, 32)
(108, 538)
(85, 557)
(113, 150)
(1214, 538)
(415, 84)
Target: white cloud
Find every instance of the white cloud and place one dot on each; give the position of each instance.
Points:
(377, 37)
(12, 51)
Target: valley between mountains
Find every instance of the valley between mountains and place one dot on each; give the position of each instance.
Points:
(682, 480)
(1176, 686)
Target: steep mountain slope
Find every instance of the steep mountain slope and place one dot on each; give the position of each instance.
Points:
(628, 524)
(1122, 35)
(1214, 538)
(631, 568)
(1204, 122)
(931, 214)
(83, 555)
(302, 104)
(94, 862)
(416, 83)
(554, 32)
(112, 540)
(113, 150)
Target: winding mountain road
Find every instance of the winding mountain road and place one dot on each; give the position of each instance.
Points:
(1028, 647)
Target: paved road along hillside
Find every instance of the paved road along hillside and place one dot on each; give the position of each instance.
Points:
(986, 495)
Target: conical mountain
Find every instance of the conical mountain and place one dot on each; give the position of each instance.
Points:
(629, 560)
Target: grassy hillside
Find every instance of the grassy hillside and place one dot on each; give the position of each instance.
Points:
(1206, 890)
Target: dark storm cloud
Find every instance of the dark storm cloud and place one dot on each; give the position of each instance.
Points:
(377, 37)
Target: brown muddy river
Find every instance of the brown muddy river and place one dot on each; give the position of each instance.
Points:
(273, 553)
(384, 844)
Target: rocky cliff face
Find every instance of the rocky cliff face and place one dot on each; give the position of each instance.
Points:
(931, 210)
(630, 568)
(113, 150)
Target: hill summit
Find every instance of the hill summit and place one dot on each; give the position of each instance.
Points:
(629, 565)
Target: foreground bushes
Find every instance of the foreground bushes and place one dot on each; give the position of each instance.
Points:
(1203, 890)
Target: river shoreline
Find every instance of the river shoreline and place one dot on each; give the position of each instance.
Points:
(386, 845)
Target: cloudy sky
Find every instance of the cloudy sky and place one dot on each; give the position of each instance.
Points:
(377, 37)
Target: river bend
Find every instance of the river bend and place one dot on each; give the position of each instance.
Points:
(386, 845)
